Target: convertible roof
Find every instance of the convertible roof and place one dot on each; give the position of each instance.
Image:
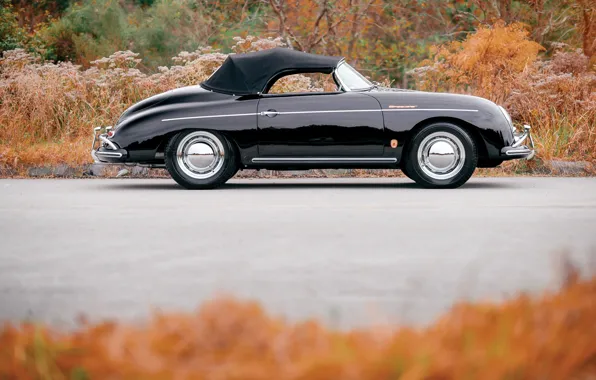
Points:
(251, 73)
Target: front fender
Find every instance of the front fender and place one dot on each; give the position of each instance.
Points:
(406, 111)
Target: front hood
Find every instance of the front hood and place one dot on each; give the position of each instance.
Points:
(177, 96)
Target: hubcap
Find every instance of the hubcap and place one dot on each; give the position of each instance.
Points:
(441, 155)
(200, 155)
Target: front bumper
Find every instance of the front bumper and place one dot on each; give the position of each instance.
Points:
(518, 149)
(105, 151)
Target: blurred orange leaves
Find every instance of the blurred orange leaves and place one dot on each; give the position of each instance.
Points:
(550, 337)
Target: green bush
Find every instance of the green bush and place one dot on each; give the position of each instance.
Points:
(11, 35)
(97, 28)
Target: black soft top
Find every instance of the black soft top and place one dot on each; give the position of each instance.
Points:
(254, 73)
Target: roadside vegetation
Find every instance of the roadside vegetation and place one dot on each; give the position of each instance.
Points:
(67, 67)
(546, 337)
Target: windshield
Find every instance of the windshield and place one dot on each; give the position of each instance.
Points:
(351, 79)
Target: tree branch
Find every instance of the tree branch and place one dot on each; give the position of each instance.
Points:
(283, 27)
(317, 22)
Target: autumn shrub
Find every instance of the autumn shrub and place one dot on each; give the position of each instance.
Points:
(49, 104)
(486, 63)
(547, 337)
(557, 97)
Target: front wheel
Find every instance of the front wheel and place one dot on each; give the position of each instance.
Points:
(200, 159)
(441, 155)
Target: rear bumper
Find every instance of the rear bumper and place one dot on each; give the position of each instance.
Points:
(103, 150)
(522, 147)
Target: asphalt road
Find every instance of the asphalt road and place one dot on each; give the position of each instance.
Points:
(349, 251)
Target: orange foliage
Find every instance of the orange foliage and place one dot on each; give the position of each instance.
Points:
(487, 61)
(551, 337)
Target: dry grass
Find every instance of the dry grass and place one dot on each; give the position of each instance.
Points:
(549, 337)
(559, 99)
(48, 110)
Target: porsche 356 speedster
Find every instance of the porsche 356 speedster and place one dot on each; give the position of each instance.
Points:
(204, 134)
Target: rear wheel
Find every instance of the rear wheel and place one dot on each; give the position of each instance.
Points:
(200, 159)
(441, 155)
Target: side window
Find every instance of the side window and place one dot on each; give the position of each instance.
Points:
(301, 83)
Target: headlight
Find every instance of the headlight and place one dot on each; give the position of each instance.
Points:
(507, 116)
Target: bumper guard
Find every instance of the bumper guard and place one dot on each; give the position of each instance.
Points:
(106, 152)
(518, 149)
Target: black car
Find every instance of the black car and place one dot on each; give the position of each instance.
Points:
(204, 134)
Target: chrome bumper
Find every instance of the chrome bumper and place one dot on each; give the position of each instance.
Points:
(103, 150)
(518, 149)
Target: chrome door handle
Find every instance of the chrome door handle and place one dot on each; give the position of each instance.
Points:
(269, 113)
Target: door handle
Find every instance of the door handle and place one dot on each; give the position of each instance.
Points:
(269, 113)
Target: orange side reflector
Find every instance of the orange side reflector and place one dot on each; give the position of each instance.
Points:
(394, 143)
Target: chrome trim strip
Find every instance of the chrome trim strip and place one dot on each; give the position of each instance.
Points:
(324, 159)
(264, 113)
(210, 116)
(428, 109)
(109, 154)
(377, 110)
(327, 111)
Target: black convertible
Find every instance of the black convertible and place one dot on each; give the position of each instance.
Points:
(204, 134)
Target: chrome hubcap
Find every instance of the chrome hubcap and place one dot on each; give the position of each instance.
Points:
(200, 155)
(441, 155)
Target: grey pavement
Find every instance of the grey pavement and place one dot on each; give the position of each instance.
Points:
(349, 251)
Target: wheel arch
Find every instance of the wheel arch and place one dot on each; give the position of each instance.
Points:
(471, 129)
(228, 136)
(235, 147)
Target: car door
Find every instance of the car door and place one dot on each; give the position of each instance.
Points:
(342, 124)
